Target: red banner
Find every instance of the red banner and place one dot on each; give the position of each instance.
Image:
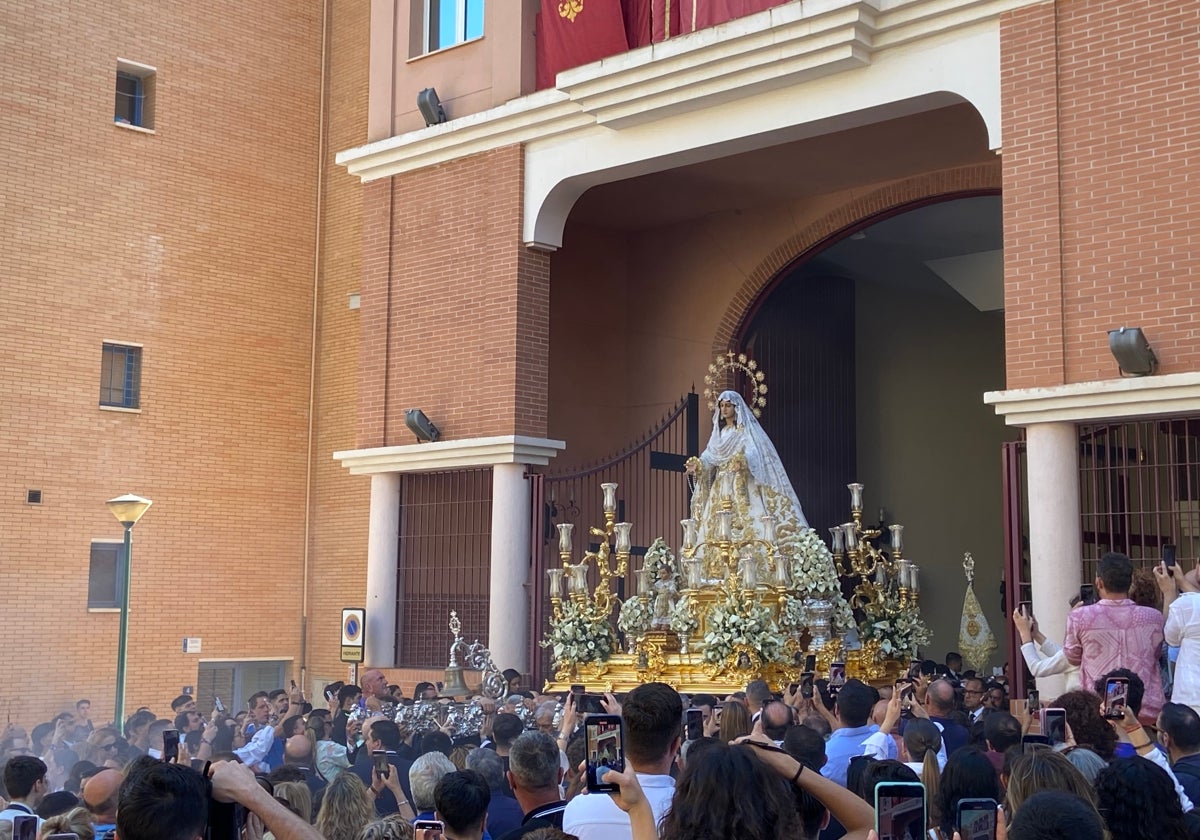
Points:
(679, 17)
(575, 32)
(638, 31)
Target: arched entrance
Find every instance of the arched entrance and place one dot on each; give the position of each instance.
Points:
(878, 344)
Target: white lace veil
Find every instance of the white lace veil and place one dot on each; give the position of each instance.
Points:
(761, 457)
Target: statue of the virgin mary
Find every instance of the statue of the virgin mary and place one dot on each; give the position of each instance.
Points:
(741, 463)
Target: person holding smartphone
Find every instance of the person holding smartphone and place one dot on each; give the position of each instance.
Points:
(1043, 657)
(1181, 607)
(1116, 632)
(25, 781)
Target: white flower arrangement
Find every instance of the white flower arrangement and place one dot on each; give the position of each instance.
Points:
(634, 618)
(658, 555)
(899, 630)
(577, 638)
(793, 615)
(736, 622)
(815, 575)
(683, 622)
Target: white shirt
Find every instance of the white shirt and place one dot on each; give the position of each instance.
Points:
(1183, 631)
(596, 817)
(260, 744)
(1049, 659)
(20, 809)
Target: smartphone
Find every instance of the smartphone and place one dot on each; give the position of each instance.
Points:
(810, 662)
(1028, 741)
(432, 825)
(25, 827)
(806, 684)
(218, 705)
(1087, 593)
(170, 751)
(1025, 608)
(976, 819)
(1033, 701)
(1168, 555)
(1054, 725)
(694, 724)
(605, 749)
(837, 673)
(900, 810)
(577, 692)
(1116, 697)
(382, 766)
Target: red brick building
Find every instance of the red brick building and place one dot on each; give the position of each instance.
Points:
(900, 207)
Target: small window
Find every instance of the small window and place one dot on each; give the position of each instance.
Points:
(135, 95)
(450, 22)
(106, 575)
(121, 376)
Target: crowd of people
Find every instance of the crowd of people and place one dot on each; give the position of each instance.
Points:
(808, 762)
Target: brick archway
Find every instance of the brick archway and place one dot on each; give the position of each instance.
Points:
(854, 215)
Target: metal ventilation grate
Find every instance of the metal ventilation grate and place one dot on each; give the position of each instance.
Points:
(33, 497)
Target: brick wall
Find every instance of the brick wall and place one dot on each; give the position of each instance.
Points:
(455, 308)
(1101, 106)
(196, 242)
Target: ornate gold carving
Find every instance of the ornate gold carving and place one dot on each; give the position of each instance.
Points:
(569, 9)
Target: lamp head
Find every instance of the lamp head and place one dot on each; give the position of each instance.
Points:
(430, 107)
(1132, 351)
(421, 426)
(128, 509)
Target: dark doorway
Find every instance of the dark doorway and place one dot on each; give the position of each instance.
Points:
(803, 338)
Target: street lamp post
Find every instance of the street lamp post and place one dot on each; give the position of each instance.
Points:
(128, 509)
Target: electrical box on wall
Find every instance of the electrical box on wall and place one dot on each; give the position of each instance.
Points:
(191, 644)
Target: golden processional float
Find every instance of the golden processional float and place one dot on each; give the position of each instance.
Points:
(745, 598)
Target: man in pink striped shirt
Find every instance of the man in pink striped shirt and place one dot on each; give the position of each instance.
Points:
(1116, 633)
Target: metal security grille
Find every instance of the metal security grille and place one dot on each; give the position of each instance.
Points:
(1139, 489)
(444, 550)
(652, 493)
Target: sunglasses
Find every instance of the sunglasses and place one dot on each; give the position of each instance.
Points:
(109, 746)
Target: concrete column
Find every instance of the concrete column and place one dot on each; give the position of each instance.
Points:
(1055, 532)
(508, 608)
(382, 591)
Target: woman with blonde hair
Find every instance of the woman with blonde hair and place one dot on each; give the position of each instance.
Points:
(922, 745)
(391, 827)
(346, 808)
(1045, 770)
(77, 821)
(735, 722)
(102, 748)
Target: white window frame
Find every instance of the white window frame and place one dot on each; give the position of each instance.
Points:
(460, 34)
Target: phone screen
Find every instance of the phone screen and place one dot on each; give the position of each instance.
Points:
(695, 724)
(977, 819)
(1033, 700)
(170, 745)
(1168, 552)
(810, 662)
(1025, 608)
(605, 750)
(382, 766)
(578, 691)
(1031, 742)
(1116, 696)
(806, 684)
(25, 827)
(218, 705)
(1087, 593)
(432, 825)
(1054, 725)
(837, 673)
(900, 810)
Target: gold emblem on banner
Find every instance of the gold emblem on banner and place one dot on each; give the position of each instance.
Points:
(569, 9)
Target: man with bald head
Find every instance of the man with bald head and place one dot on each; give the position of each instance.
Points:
(298, 753)
(375, 689)
(942, 705)
(776, 719)
(99, 795)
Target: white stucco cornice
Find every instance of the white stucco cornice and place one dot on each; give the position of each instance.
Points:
(1110, 399)
(773, 49)
(450, 454)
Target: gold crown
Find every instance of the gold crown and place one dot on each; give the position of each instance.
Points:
(756, 399)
